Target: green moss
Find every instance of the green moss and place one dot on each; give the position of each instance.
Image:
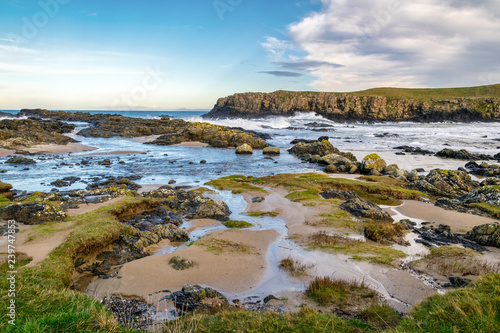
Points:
(258, 213)
(488, 208)
(236, 183)
(237, 224)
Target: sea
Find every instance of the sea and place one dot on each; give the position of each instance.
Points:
(161, 164)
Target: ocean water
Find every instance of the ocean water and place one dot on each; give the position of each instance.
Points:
(160, 164)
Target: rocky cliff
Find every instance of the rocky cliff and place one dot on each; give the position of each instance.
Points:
(349, 107)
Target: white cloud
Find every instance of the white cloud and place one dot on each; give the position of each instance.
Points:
(400, 43)
(276, 47)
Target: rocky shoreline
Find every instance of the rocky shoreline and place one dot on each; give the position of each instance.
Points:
(348, 107)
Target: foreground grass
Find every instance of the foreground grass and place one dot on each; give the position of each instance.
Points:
(475, 309)
(236, 183)
(44, 300)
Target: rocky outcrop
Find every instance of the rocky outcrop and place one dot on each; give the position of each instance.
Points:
(445, 183)
(172, 131)
(346, 107)
(484, 169)
(475, 202)
(32, 213)
(365, 209)
(486, 234)
(462, 155)
(373, 164)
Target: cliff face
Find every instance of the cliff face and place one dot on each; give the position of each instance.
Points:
(347, 107)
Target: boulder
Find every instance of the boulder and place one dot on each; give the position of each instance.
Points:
(445, 183)
(32, 213)
(365, 209)
(320, 148)
(180, 264)
(486, 234)
(244, 149)
(5, 191)
(20, 161)
(271, 151)
(373, 164)
(462, 155)
(192, 297)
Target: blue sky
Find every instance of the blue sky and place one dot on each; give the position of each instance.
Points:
(173, 54)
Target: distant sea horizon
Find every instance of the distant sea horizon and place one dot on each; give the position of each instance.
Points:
(138, 114)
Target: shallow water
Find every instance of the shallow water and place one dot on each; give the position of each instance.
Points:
(183, 163)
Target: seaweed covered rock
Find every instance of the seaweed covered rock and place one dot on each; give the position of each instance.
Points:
(271, 151)
(373, 164)
(32, 213)
(320, 148)
(462, 155)
(20, 161)
(244, 149)
(486, 235)
(15, 133)
(365, 209)
(192, 297)
(191, 204)
(445, 183)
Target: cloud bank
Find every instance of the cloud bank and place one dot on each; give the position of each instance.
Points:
(359, 44)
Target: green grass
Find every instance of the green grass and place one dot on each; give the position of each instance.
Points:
(381, 316)
(340, 220)
(258, 213)
(488, 208)
(293, 267)
(306, 320)
(359, 250)
(44, 230)
(489, 91)
(340, 293)
(474, 309)
(44, 300)
(237, 224)
(236, 183)
(218, 246)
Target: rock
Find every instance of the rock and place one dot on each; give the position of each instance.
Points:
(445, 183)
(131, 313)
(203, 162)
(271, 151)
(486, 234)
(244, 149)
(66, 181)
(315, 148)
(373, 162)
(269, 298)
(459, 281)
(258, 199)
(442, 236)
(483, 170)
(365, 209)
(415, 150)
(180, 264)
(408, 224)
(342, 195)
(171, 181)
(3, 171)
(462, 155)
(105, 162)
(413, 176)
(32, 213)
(192, 297)
(331, 169)
(20, 161)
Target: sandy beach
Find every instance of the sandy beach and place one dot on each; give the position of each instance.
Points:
(60, 149)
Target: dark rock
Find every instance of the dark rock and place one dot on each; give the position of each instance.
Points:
(342, 195)
(192, 297)
(442, 236)
(20, 161)
(459, 282)
(105, 162)
(365, 209)
(180, 264)
(131, 313)
(32, 213)
(408, 224)
(462, 155)
(486, 235)
(269, 298)
(203, 162)
(244, 149)
(258, 199)
(414, 150)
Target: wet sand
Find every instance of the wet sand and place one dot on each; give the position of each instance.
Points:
(144, 139)
(458, 222)
(60, 149)
(230, 270)
(117, 152)
(191, 144)
(4, 152)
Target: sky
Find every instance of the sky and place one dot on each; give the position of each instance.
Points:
(176, 55)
